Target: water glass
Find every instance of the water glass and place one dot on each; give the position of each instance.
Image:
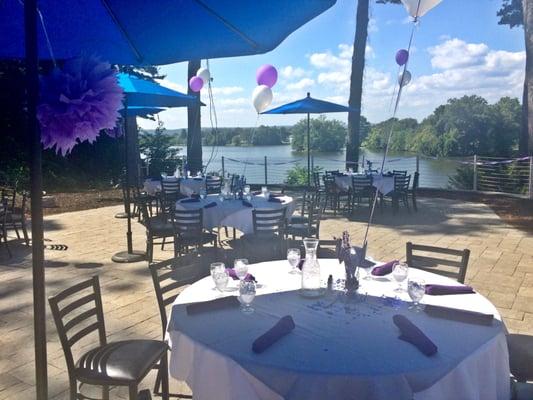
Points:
(416, 289)
(240, 266)
(293, 257)
(246, 296)
(246, 189)
(219, 275)
(203, 194)
(264, 191)
(399, 273)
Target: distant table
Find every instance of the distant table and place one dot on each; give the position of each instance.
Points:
(233, 213)
(340, 348)
(188, 186)
(384, 184)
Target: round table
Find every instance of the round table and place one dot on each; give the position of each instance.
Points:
(384, 184)
(188, 186)
(341, 348)
(233, 213)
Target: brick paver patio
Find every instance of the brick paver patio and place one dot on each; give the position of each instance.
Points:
(501, 268)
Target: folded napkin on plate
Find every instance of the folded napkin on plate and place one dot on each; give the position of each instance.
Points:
(384, 269)
(195, 196)
(212, 305)
(231, 273)
(275, 200)
(277, 195)
(283, 327)
(454, 314)
(412, 334)
(257, 192)
(247, 203)
(210, 205)
(437, 290)
(190, 201)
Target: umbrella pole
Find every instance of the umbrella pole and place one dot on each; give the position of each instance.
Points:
(129, 255)
(308, 151)
(36, 191)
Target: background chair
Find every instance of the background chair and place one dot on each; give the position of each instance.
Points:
(452, 267)
(400, 192)
(361, 189)
(213, 184)
(157, 227)
(189, 231)
(123, 363)
(16, 219)
(399, 172)
(414, 189)
(267, 240)
(3, 230)
(310, 226)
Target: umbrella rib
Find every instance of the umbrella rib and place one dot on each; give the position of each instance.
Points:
(122, 30)
(247, 39)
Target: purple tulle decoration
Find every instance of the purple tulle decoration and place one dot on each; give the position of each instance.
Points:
(77, 102)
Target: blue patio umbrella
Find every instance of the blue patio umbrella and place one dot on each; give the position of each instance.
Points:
(308, 106)
(131, 32)
(143, 112)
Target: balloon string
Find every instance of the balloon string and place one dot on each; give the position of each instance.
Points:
(391, 130)
(213, 119)
(251, 143)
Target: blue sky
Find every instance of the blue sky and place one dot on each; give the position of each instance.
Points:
(458, 49)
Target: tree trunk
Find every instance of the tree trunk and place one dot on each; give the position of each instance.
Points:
(356, 84)
(194, 127)
(526, 139)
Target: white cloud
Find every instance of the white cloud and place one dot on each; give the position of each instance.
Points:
(172, 85)
(373, 25)
(302, 84)
(227, 90)
(457, 53)
(290, 72)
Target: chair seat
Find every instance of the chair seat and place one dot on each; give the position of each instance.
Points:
(300, 230)
(193, 238)
(298, 219)
(521, 356)
(121, 362)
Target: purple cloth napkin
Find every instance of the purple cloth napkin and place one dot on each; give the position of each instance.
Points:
(275, 200)
(301, 264)
(277, 195)
(247, 203)
(197, 179)
(437, 290)
(195, 196)
(384, 269)
(453, 314)
(283, 327)
(190, 201)
(210, 205)
(412, 334)
(231, 273)
(212, 305)
(257, 192)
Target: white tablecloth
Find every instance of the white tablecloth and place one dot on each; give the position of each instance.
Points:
(233, 213)
(188, 186)
(384, 184)
(339, 349)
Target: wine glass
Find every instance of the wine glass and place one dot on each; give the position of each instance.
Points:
(240, 266)
(247, 193)
(293, 257)
(416, 289)
(264, 191)
(203, 194)
(246, 296)
(399, 273)
(219, 275)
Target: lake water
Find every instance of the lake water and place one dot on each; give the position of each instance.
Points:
(250, 162)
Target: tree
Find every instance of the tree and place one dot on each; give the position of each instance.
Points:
(194, 127)
(520, 13)
(325, 134)
(356, 80)
(158, 148)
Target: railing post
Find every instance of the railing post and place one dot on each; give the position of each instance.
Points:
(530, 177)
(475, 173)
(417, 163)
(266, 174)
(223, 169)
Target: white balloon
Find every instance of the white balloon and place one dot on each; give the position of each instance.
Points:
(204, 74)
(415, 10)
(261, 98)
(406, 78)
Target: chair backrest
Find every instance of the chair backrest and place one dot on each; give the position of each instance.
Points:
(327, 248)
(169, 277)
(332, 172)
(399, 172)
(316, 180)
(188, 221)
(329, 183)
(9, 197)
(213, 184)
(269, 221)
(401, 183)
(361, 183)
(453, 266)
(170, 186)
(77, 313)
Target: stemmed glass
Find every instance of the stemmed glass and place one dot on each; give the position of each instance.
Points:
(219, 275)
(240, 266)
(246, 295)
(247, 194)
(416, 289)
(264, 191)
(293, 257)
(399, 273)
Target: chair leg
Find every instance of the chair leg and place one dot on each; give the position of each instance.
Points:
(150, 248)
(25, 232)
(105, 392)
(163, 368)
(16, 231)
(163, 244)
(133, 392)
(157, 385)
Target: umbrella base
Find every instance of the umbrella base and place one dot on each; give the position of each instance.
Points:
(121, 215)
(125, 257)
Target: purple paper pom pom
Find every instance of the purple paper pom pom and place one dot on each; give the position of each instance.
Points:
(77, 102)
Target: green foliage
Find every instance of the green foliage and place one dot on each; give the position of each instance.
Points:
(461, 127)
(159, 149)
(325, 134)
(511, 13)
(297, 175)
(260, 136)
(463, 178)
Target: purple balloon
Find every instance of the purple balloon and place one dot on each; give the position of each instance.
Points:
(402, 56)
(266, 75)
(196, 83)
